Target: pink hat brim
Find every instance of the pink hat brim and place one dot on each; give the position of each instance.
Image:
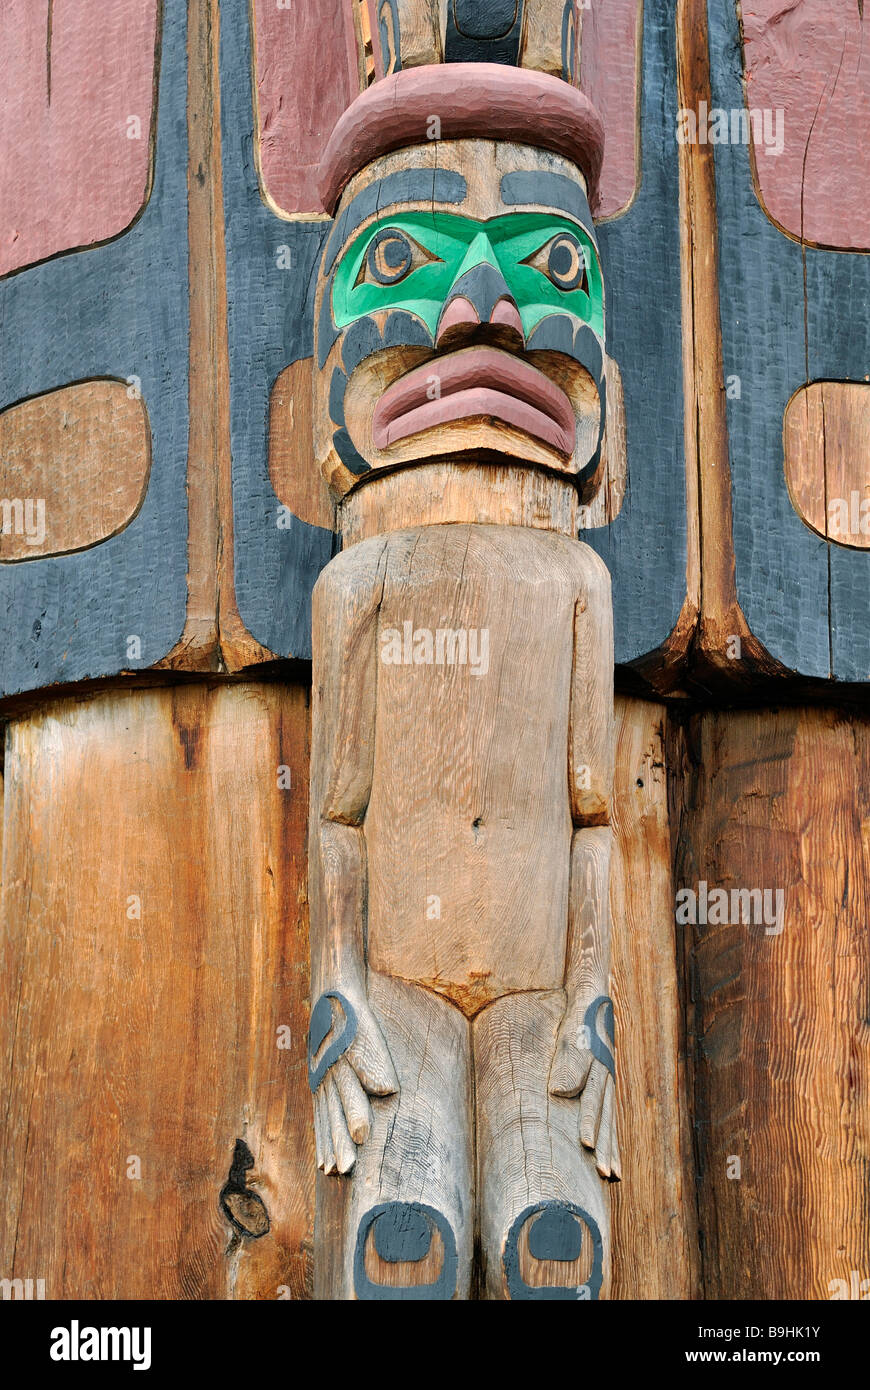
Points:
(483, 101)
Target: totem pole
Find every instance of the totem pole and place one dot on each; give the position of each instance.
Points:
(460, 1048)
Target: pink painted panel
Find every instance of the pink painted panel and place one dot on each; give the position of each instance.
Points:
(76, 91)
(609, 76)
(811, 59)
(307, 74)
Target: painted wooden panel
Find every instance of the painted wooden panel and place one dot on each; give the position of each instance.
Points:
(804, 69)
(306, 74)
(270, 266)
(826, 439)
(76, 149)
(778, 800)
(74, 467)
(154, 982)
(645, 548)
(611, 74)
(119, 311)
(790, 315)
(270, 319)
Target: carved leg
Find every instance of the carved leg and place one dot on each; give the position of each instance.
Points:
(409, 1219)
(543, 1209)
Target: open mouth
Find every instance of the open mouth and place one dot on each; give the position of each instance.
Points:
(472, 383)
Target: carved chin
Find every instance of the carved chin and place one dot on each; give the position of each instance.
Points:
(479, 401)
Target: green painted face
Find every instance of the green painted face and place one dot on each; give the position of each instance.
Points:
(412, 261)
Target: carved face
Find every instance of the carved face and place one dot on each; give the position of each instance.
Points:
(460, 314)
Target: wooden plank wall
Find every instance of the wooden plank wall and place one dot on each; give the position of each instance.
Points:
(778, 1020)
(154, 941)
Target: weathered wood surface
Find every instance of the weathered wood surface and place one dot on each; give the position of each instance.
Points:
(655, 1245)
(154, 945)
(74, 466)
(778, 1035)
(806, 68)
(826, 438)
(76, 156)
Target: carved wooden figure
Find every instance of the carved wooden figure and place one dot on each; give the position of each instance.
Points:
(460, 1047)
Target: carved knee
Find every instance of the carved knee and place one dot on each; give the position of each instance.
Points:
(553, 1250)
(405, 1250)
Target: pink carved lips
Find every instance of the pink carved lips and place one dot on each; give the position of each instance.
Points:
(474, 382)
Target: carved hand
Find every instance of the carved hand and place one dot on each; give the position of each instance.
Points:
(583, 1066)
(348, 1060)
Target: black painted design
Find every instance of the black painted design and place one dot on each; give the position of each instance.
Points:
(318, 1030)
(349, 454)
(599, 1049)
(483, 286)
(407, 1236)
(569, 43)
(402, 329)
(327, 333)
(483, 31)
(395, 258)
(337, 388)
(360, 341)
(557, 333)
(644, 548)
(556, 1235)
(531, 188)
(390, 36)
(404, 186)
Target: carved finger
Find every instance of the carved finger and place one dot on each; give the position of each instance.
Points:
(343, 1146)
(354, 1101)
(602, 1142)
(323, 1142)
(615, 1162)
(590, 1105)
(371, 1061)
(570, 1069)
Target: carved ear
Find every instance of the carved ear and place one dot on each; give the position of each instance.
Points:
(298, 482)
(603, 493)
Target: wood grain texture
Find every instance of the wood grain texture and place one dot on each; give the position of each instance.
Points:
(826, 442)
(808, 64)
(156, 1035)
(79, 458)
(214, 636)
(78, 84)
(655, 1248)
(460, 882)
(778, 1033)
(298, 482)
(711, 581)
(486, 493)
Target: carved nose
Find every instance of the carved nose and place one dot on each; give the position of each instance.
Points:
(481, 296)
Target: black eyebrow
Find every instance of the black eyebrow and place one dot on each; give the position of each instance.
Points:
(404, 186)
(553, 190)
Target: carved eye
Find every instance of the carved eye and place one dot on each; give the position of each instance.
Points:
(390, 257)
(563, 261)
